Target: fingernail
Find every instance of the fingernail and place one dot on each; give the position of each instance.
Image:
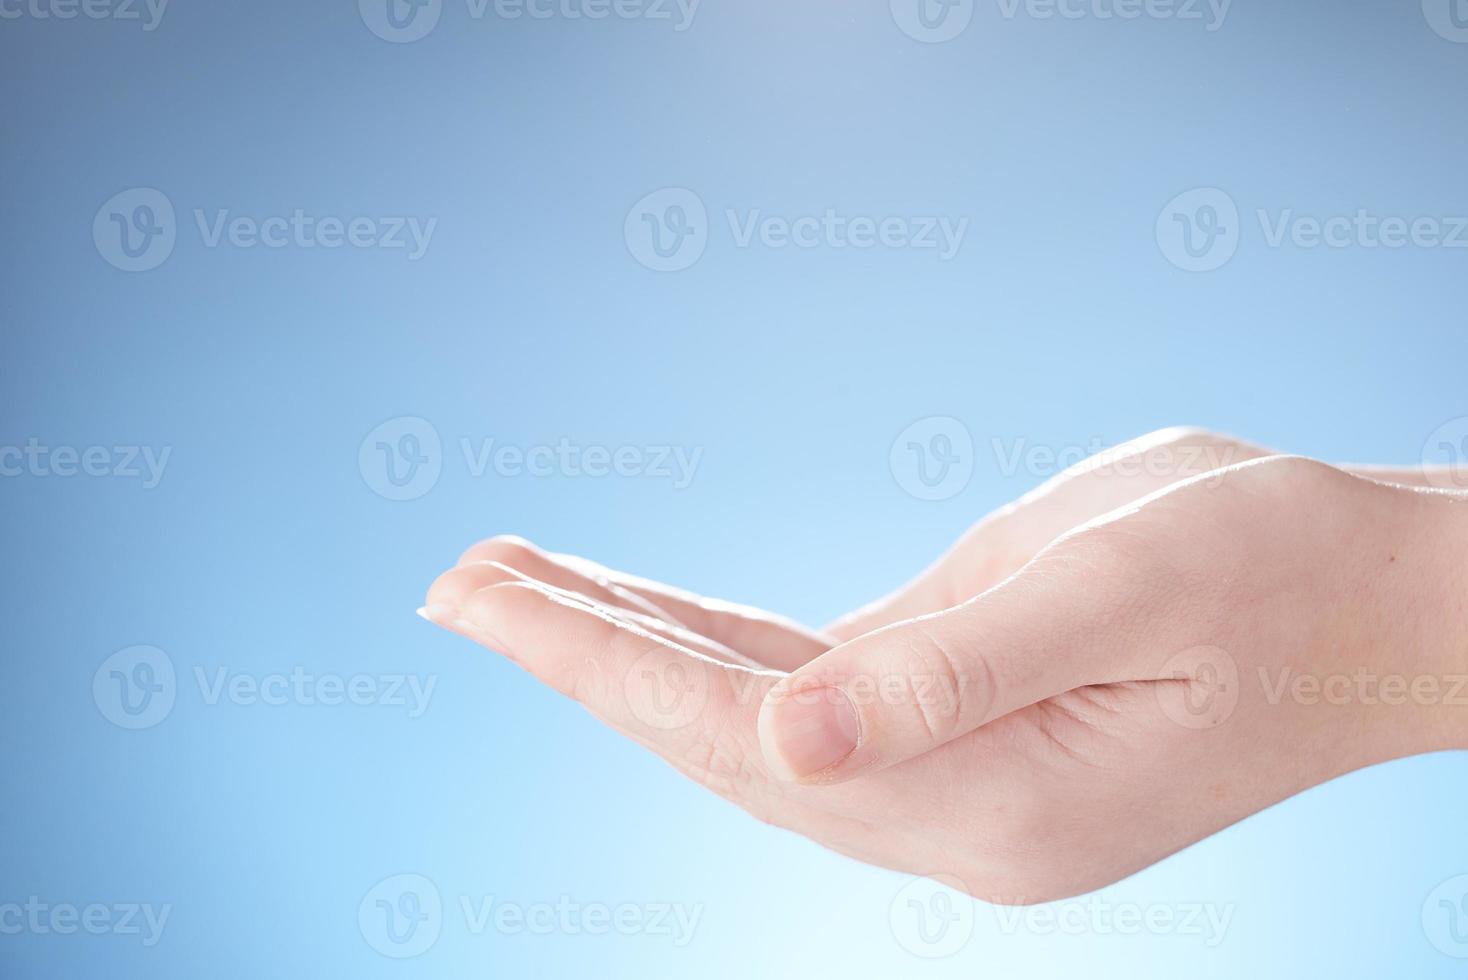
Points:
(451, 617)
(814, 730)
(439, 613)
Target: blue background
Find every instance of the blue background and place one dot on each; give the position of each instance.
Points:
(528, 320)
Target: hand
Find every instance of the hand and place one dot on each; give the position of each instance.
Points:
(1117, 698)
(1000, 544)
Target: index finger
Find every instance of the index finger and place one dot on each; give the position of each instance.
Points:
(696, 712)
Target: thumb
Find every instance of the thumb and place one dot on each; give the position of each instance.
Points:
(910, 687)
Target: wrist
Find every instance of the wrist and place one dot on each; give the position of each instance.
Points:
(1433, 626)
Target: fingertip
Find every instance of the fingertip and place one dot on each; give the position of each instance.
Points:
(437, 613)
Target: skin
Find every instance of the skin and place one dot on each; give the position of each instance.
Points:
(1152, 646)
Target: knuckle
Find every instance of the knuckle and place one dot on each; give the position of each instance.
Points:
(515, 552)
(507, 549)
(1124, 573)
(1123, 549)
(937, 685)
(585, 681)
(1294, 470)
(1184, 451)
(1271, 479)
(1182, 435)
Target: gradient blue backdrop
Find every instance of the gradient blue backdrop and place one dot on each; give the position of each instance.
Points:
(528, 320)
